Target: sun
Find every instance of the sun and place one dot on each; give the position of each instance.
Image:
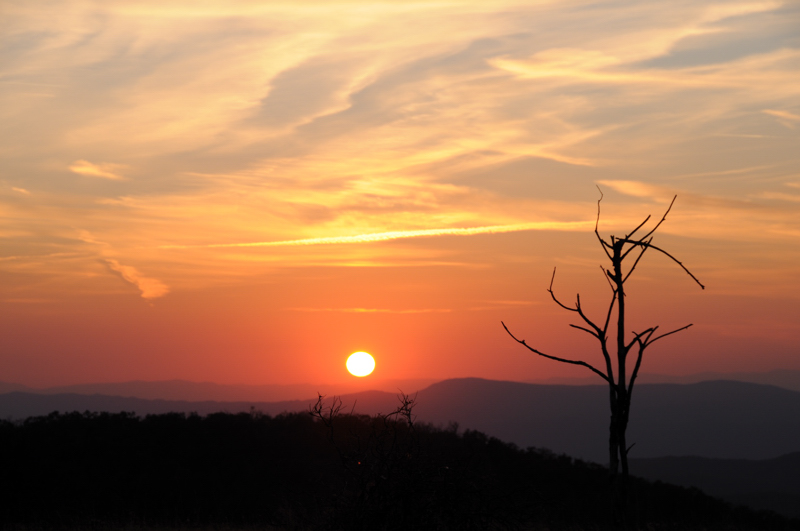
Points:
(360, 364)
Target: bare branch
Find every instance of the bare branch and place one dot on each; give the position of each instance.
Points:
(643, 238)
(635, 372)
(651, 341)
(326, 414)
(553, 295)
(598, 332)
(562, 360)
(603, 243)
(605, 275)
(636, 262)
(592, 332)
(404, 410)
(579, 309)
(637, 337)
(610, 310)
(597, 221)
(643, 344)
(648, 244)
(664, 217)
(638, 227)
(660, 222)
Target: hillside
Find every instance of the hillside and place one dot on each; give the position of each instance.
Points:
(714, 420)
(118, 471)
(770, 484)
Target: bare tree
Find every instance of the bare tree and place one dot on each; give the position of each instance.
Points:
(620, 385)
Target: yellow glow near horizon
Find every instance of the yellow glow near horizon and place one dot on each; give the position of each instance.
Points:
(360, 364)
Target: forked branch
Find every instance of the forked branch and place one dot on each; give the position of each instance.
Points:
(548, 356)
(662, 219)
(643, 238)
(636, 262)
(599, 333)
(645, 339)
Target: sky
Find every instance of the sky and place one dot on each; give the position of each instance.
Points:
(249, 191)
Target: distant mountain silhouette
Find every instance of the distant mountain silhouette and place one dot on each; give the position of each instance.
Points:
(772, 484)
(714, 419)
(733, 420)
(787, 379)
(206, 391)
(183, 390)
(19, 405)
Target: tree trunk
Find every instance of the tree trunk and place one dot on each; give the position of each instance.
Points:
(613, 436)
(623, 428)
(615, 452)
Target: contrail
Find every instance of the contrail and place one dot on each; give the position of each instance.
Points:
(396, 235)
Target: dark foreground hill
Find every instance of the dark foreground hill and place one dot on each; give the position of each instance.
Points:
(107, 471)
(772, 484)
(719, 420)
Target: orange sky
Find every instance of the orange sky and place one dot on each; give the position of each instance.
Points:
(247, 192)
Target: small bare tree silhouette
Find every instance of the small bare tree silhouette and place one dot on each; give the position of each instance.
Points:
(620, 385)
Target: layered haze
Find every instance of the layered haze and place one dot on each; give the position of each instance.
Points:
(248, 192)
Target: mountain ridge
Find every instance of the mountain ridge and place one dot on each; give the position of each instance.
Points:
(176, 389)
(785, 378)
(185, 390)
(719, 419)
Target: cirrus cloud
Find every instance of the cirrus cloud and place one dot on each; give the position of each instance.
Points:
(150, 288)
(103, 170)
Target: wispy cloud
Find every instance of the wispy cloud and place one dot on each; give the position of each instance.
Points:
(752, 217)
(783, 114)
(355, 131)
(781, 196)
(787, 118)
(349, 158)
(639, 189)
(396, 235)
(103, 170)
(150, 288)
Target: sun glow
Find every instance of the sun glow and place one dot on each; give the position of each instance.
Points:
(360, 364)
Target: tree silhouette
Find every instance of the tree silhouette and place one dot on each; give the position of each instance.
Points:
(617, 250)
